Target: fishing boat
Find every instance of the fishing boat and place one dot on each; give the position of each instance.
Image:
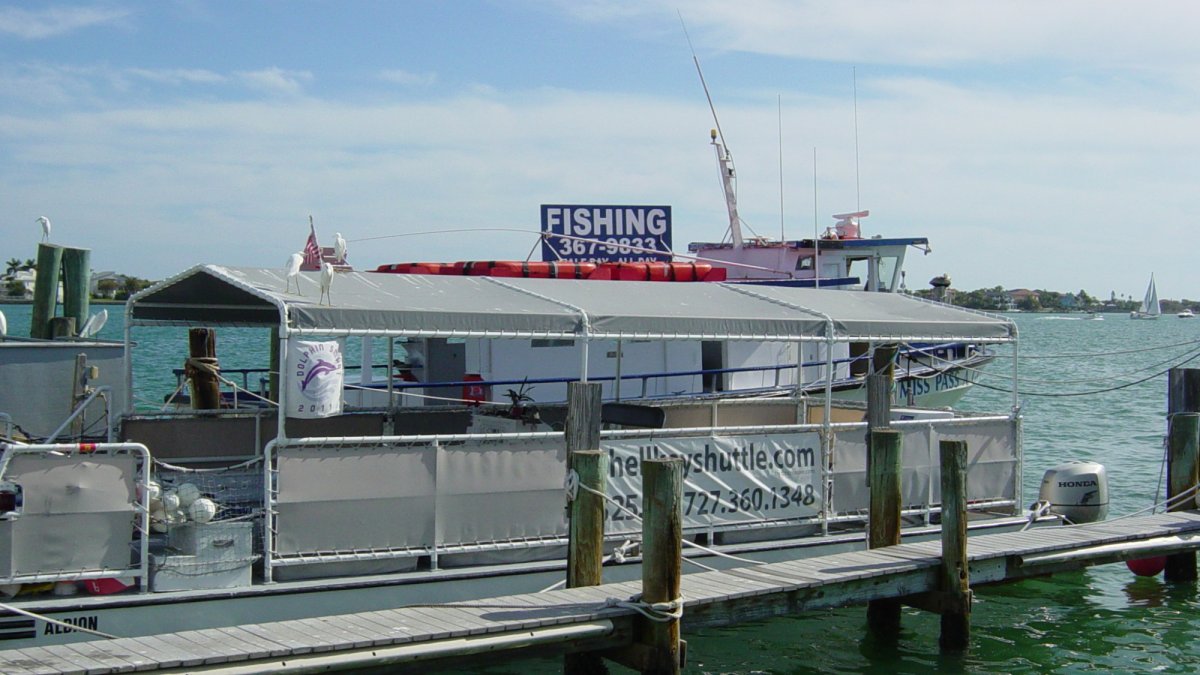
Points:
(173, 520)
(1150, 308)
(842, 258)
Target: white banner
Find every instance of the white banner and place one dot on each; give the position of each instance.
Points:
(314, 379)
(728, 480)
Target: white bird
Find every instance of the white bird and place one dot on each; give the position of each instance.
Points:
(293, 271)
(339, 248)
(45, 223)
(326, 282)
(94, 323)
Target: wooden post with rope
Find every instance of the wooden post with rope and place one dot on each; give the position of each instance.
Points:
(1183, 448)
(662, 560)
(201, 369)
(585, 546)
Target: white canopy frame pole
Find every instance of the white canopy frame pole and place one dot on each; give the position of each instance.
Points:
(285, 337)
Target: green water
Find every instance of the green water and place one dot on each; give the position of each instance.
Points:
(1100, 620)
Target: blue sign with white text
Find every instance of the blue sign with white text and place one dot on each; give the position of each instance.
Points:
(582, 233)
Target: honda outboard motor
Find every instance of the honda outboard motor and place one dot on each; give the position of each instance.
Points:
(1078, 491)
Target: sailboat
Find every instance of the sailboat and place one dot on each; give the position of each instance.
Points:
(1149, 308)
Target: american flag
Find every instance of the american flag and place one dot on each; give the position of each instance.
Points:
(312, 252)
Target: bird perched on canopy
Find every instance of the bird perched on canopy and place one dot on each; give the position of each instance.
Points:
(326, 282)
(339, 248)
(293, 271)
(45, 223)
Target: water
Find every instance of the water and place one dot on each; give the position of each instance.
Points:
(1101, 619)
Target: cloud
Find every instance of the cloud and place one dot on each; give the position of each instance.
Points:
(407, 78)
(177, 76)
(1153, 37)
(54, 21)
(274, 80)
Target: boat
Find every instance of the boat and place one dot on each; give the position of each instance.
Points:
(315, 505)
(1150, 308)
(842, 258)
(1095, 316)
(1186, 313)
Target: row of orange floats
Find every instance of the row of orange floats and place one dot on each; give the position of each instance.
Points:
(641, 271)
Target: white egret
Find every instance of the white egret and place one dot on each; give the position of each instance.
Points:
(293, 271)
(94, 323)
(339, 248)
(45, 223)
(326, 282)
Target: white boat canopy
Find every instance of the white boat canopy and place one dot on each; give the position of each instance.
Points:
(371, 303)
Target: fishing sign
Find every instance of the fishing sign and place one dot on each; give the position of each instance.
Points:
(315, 377)
(591, 233)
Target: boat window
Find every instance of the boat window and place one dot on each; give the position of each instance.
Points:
(887, 272)
(858, 268)
(804, 262)
(551, 343)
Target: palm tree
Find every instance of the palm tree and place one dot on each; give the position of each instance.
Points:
(30, 264)
(13, 265)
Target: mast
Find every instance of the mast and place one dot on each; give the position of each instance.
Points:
(728, 184)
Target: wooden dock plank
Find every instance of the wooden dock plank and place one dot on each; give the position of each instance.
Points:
(276, 632)
(96, 661)
(263, 647)
(40, 661)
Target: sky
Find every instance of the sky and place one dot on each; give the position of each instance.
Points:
(1036, 144)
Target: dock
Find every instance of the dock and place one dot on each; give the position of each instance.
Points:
(598, 620)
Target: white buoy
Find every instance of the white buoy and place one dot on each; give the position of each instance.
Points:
(170, 501)
(202, 510)
(188, 493)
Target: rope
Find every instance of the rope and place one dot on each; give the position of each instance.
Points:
(56, 622)
(660, 612)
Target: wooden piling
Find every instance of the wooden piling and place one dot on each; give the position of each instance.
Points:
(585, 549)
(954, 580)
(883, 527)
(879, 386)
(1183, 447)
(45, 290)
(587, 520)
(582, 426)
(1183, 390)
(76, 279)
(201, 369)
(62, 327)
(662, 559)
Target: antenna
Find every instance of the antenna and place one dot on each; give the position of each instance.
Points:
(857, 187)
(724, 158)
(699, 72)
(779, 103)
(816, 227)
